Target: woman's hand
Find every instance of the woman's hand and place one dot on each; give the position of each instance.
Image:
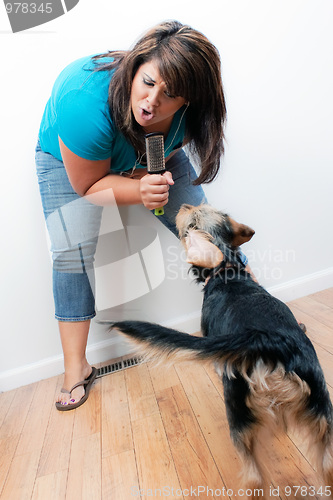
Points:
(154, 189)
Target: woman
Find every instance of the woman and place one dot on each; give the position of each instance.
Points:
(91, 148)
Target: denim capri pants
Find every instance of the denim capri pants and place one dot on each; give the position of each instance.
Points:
(73, 225)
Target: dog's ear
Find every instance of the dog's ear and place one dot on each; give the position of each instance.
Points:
(242, 233)
(202, 252)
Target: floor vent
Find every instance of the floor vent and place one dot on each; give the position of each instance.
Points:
(119, 365)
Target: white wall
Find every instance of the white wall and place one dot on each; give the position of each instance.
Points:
(277, 172)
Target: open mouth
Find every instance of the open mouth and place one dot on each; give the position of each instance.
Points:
(146, 115)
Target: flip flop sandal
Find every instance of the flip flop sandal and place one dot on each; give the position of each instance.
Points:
(87, 383)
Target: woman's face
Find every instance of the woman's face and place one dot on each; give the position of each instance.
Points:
(152, 106)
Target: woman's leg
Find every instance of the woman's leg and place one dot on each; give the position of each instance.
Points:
(73, 226)
(74, 337)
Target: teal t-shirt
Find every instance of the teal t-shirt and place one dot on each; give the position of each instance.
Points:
(78, 113)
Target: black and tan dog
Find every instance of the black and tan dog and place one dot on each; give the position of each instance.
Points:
(269, 367)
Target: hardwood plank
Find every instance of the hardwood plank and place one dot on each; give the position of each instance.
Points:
(17, 412)
(316, 331)
(209, 410)
(326, 361)
(87, 418)
(156, 470)
(215, 378)
(140, 391)
(116, 424)
(119, 476)
(324, 297)
(163, 377)
(20, 480)
(284, 464)
(6, 399)
(7, 451)
(58, 439)
(13, 419)
(320, 335)
(33, 432)
(51, 487)
(322, 312)
(84, 475)
(186, 440)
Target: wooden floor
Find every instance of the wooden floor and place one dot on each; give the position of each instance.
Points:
(147, 433)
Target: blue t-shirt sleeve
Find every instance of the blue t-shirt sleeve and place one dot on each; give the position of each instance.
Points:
(84, 125)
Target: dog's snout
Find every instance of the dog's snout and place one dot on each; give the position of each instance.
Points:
(249, 232)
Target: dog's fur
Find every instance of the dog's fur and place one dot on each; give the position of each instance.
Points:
(269, 368)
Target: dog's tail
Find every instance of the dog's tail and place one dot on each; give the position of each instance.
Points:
(162, 343)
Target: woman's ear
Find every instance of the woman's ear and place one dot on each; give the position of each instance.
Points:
(202, 252)
(242, 233)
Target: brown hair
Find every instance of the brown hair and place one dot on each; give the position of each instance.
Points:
(190, 66)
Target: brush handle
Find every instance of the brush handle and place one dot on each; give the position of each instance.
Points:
(155, 158)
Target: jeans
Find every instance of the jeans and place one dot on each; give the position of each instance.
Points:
(73, 225)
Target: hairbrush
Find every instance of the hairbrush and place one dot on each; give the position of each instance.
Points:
(155, 158)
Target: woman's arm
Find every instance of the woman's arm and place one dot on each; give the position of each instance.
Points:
(92, 178)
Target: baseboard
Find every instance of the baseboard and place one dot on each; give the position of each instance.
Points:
(115, 346)
(306, 285)
(99, 352)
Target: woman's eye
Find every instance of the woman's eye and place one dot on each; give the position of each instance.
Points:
(151, 84)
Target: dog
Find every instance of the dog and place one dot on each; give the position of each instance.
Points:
(270, 371)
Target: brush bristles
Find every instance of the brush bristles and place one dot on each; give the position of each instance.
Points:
(155, 153)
